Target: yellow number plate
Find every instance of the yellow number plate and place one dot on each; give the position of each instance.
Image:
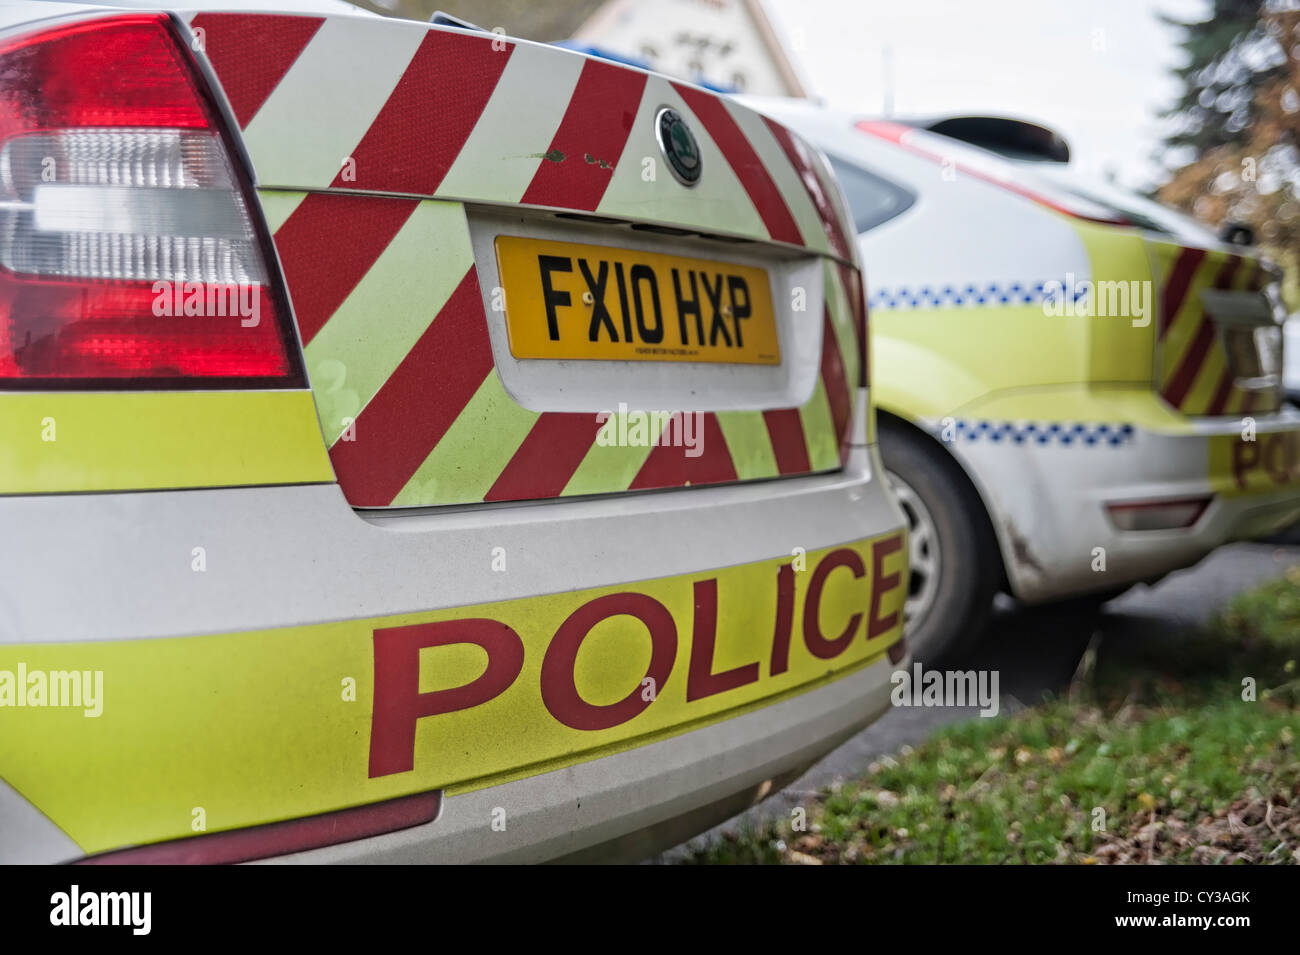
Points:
(566, 300)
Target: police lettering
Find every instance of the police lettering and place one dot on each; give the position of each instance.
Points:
(399, 704)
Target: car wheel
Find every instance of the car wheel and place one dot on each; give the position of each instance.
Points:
(953, 560)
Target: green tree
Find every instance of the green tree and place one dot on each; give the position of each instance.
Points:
(1236, 126)
(1229, 57)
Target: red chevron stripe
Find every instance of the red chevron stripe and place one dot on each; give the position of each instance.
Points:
(1197, 351)
(668, 465)
(548, 457)
(591, 136)
(1175, 290)
(1223, 279)
(837, 386)
(328, 244)
(418, 403)
(789, 443)
(423, 125)
(250, 53)
(796, 151)
(1227, 272)
(744, 162)
(1222, 392)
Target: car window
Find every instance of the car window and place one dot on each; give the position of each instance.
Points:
(872, 200)
(1142, 212)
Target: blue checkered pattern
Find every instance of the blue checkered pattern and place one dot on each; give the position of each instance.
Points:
(992, 293)
(1062, 433)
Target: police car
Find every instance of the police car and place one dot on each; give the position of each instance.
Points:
(1078, 389)
(416, 444)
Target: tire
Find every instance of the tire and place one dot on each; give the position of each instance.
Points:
(953, 557)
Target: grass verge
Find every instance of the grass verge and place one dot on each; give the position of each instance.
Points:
(1181, 753)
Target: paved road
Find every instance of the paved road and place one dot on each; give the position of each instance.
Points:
(1037, 651)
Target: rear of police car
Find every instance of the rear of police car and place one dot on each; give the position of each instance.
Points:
(1106, 371)
(1163, 332)
(415, 445)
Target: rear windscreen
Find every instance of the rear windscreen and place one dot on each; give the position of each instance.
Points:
(1142, 212)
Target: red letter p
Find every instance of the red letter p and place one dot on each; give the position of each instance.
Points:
(398, 701)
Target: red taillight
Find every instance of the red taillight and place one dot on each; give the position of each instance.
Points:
(128, 253)
(991, 169)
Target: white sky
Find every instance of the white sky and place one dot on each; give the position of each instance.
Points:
(1094, 70)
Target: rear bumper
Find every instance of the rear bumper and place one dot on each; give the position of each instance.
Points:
(1048, 497)
(628, 806)
(228, 625)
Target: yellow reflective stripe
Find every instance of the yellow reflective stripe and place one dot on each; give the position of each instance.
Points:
(1245, 275)
(609, 466)
(749, 442)
(1206, 382)
(819, 430)
(996, 347)
(1187, 321)
(118, 441)
(365, 340)
(1113, 348)
(277, 206)
(846, 335)
(465, 464)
